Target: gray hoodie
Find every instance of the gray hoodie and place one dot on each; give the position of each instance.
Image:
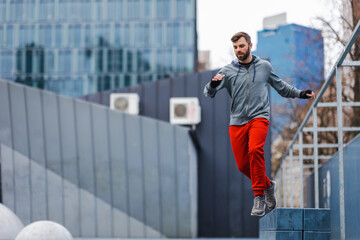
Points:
(248, 89)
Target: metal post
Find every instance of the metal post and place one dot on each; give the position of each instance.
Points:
(301, 160)
(316, 158)
(341, 153)
(284, 185)
(291, 178)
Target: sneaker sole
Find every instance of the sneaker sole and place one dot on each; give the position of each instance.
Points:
(258, 215)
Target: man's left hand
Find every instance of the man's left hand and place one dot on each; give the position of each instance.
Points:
(307, 94)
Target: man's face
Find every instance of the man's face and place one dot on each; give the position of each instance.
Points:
(242, 49)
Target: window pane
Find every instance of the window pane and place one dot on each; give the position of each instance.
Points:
(133, 9)
(46, 10)
(118, 35)
(49, 62)
(30, 10)
(75, 35)
(65, 61)
(147, 9)
(58, 36)
(2, 10)
(86, 9)
(45, 36)
(1, 36)
(158, 34)
(163, 9)
(10, 36)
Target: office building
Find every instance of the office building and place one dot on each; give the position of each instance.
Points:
(84, 46)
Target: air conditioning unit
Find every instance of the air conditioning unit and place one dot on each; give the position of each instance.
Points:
(185, 111)
(125, 102)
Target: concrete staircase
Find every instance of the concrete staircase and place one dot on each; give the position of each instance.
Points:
(295, 224)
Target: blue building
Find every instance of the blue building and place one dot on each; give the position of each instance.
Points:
(297, 55)
(84, 46)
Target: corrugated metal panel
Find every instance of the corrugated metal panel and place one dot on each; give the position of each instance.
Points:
(98, 172)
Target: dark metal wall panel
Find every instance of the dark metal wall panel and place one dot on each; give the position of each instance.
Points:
(135, 175)
(53, 156)
(118, 156)
(102, 168)
(5, 118)
(98, 172)
(21, 162)
(163, 93)
(206, 162)
(37, 154)
(84, 136)
(70, 168)
(149, 100)
(150, 151)
(183, 182)
(168, 182)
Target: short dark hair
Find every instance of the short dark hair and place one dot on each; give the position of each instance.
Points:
(239, 35)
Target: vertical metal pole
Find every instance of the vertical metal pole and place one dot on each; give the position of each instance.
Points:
(301, 166)
(291, 179)
(341, 153)
(316, 158)
(284, 183)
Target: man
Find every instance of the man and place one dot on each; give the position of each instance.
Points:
(246, 80)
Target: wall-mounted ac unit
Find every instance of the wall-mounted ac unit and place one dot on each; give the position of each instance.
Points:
(125, 102)
(185, 111)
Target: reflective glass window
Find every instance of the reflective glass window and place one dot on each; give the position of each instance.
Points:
(143, 60)
(74, 8)
(78, 86)
(45, 36)
(74, 35)
(99, 60)
(133, 9)
(26, 35)
(2, 10)
(30, 10)
(1, 36)
(118, 60)
(63, 9)
(180, 60)
(46, 9)
(190, 60)
(16, 10)
(6, 63)
(39, 61)
(118, 35)
(86, 10)
(10, 36)
(97, 4)
(141, 31)
(58, 35)
(87, 37)
(173, 36)
(84, 61)
(19, 61)
(163, 9)
(49, 62)
(184, 9)
(106, 34)
(158, 34)
(129, 59)
(189, 33)
(127, 34)
(65, 61)
(147, 9)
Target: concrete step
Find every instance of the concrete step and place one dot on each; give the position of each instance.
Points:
(295, 223)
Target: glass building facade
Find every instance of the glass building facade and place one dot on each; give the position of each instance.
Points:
(77, 47)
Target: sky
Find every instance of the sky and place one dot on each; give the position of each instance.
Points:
(218, 20)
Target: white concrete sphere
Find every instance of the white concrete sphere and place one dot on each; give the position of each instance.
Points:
(44, 230)
(10, 224)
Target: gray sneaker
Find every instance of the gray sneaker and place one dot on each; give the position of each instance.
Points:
(270, 198)
(259, 207)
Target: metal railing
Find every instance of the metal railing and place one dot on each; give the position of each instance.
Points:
(297, 145)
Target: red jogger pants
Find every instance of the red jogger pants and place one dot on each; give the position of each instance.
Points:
(247, 143)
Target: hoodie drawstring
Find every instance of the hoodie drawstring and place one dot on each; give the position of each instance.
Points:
(236, 76)
(254, 71)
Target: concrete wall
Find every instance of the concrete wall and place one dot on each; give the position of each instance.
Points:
(225, 195)
(99, 173)
(329, 190)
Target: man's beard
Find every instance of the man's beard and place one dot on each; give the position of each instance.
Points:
(245, 56)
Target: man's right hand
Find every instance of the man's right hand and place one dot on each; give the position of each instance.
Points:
(218, 77)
